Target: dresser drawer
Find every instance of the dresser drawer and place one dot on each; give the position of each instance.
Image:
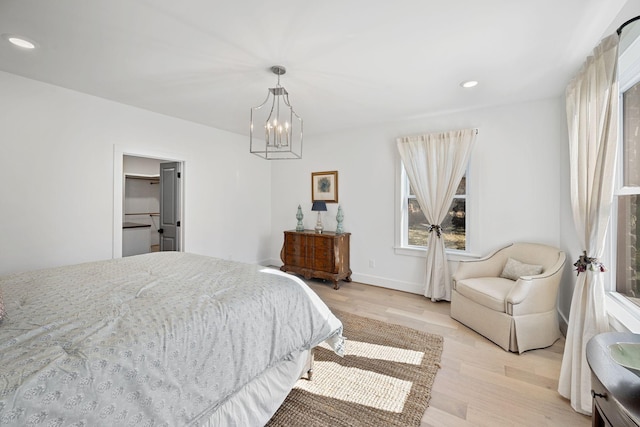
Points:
(296, 250)
(317, 252)
(296, 260)
(615, 390)
(323, 265)
(323, 243)
(295, 240)
(607, 408)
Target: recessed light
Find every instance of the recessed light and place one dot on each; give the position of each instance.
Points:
(468, 84)
(19, 41)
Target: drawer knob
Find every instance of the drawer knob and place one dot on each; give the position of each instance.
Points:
(594, 394)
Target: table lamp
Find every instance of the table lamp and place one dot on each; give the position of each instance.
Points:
(319, 206)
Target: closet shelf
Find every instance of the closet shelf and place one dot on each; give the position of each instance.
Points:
(153, 178)
(144, 213)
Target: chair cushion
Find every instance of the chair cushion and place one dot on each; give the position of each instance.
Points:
(514, 269)
(490, 292)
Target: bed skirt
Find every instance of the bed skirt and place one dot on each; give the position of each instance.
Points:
(265, 394)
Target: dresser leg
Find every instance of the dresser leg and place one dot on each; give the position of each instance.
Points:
(336, 284)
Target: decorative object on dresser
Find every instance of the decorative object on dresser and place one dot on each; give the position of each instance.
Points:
(324, 186)
(339, 218)
(318, 207)
(614, 388)
(323, 256)
(299, 216)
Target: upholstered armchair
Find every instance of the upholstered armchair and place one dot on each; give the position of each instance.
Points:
(510, 296)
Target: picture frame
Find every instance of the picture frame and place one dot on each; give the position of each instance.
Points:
(324, 186)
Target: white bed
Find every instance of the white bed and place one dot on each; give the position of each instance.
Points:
(157, 339)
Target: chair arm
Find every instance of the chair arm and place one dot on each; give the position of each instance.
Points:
(519, 292)
(536, 294)
(489, 266)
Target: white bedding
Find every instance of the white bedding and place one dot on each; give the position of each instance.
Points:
(156, 339)
(255, 403)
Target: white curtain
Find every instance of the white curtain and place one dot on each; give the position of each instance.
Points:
(592, 114)
(435, 164)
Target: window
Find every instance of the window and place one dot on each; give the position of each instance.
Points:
(414, 225)
(623, 254)
(627, 247)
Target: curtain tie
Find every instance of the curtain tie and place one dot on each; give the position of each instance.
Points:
(585, 263)
(437, 229)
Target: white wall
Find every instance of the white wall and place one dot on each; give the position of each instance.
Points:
(58, 205)
(57, 178)
(515, 183)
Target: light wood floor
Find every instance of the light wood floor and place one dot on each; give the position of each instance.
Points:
(479, 384)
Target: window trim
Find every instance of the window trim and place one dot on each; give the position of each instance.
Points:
(623, 315)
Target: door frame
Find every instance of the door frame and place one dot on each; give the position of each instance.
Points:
(118, 189)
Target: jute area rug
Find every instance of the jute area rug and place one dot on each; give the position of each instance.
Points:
(385, 379)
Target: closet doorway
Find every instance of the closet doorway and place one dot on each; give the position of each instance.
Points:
(141, 206)
(148, 203)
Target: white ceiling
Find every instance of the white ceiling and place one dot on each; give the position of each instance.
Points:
(349, 63)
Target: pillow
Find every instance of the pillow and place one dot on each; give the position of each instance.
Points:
(514, 269)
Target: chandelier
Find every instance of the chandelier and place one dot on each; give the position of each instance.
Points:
(276, 130)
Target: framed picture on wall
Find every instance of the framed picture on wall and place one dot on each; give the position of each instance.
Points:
(324, 186)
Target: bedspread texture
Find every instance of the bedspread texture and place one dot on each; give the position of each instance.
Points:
(154, 339)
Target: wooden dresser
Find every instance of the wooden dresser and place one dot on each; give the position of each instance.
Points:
(615, 389)
(319, 255)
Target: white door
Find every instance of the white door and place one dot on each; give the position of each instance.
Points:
(169, 230)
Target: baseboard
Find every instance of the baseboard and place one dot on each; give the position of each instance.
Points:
(273, 262)
(564, 324)
(269, 263)
(383, 282)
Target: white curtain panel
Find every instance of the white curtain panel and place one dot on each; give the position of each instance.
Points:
(592, 114)
(435, 164)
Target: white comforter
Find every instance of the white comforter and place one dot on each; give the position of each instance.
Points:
(157, 339)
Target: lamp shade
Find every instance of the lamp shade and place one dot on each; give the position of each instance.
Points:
(319, 206)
